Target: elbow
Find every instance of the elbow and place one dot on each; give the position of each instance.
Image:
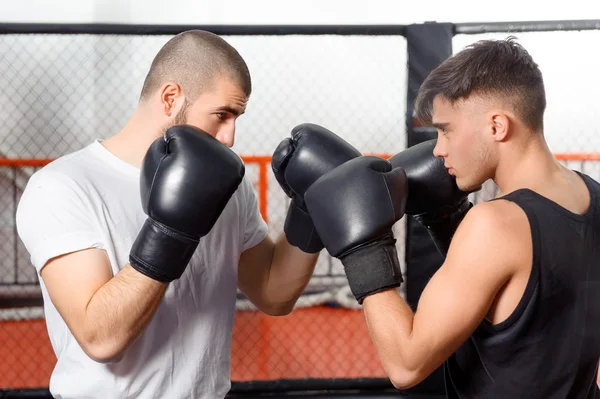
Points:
(407, 368)
(105, 352)
(404, 377)
(278, 309)
(404, 380)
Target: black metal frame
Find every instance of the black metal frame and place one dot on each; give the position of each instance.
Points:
(279, 30)
(526, 26)
(225, 30)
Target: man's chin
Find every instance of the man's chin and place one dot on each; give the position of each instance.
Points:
(461, 183)
(468, 187)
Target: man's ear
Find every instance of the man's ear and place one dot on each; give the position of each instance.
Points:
(171, 98)
(500, 126)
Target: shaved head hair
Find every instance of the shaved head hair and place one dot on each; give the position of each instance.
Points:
(194, 59)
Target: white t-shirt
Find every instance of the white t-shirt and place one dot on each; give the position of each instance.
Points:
(91, 199)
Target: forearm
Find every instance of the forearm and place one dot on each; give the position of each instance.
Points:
(390, 323)
(290, 271)
(119, 311)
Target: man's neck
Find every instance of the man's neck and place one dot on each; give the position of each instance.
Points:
(526, 165)
(132, 142)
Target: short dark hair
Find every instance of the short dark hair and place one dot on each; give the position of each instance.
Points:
(495, 68)
(193, 59)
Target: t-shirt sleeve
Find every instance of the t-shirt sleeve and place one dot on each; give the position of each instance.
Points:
(54, 217)
(256, 228)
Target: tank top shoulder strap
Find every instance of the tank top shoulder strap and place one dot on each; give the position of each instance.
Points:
(524, 198)
(594, 189)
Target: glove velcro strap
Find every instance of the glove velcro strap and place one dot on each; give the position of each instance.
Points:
(160, 252)
(300, 230)
(443, 224)
(373, 268)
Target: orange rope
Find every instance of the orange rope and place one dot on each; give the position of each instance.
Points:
(266, 159)
(561, 156)
(263, 162)
(22, 162)
(577, 156)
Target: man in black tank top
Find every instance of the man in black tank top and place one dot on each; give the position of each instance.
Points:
(514, 311)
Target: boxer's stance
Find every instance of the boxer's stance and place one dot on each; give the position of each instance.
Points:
(514, 311)
(141, 240)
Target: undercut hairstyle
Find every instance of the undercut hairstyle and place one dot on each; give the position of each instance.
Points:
(494, 69)
(194, 59)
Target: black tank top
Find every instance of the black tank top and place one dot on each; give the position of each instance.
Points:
(549, 347)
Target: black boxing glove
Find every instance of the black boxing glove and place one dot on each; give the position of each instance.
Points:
(297, 162)
(354, 208)
(186, 180)
(434, 199)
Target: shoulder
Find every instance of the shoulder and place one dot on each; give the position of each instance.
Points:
(247, 194)
(73, 163)
(247, 186)
(59, 184)
(65, 171)
(48, 181)
(495, 218)
(242, 206)
(496, 233)
(46, 194)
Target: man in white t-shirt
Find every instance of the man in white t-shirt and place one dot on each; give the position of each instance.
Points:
(139, 290)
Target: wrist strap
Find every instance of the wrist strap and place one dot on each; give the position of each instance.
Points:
(373, 268)
(161, 253)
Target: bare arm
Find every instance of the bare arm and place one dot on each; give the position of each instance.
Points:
(104, 313)
(485, 253)
(274, 275)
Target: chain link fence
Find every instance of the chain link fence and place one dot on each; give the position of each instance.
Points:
(61, 92)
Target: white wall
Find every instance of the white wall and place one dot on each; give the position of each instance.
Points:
(292, 12)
